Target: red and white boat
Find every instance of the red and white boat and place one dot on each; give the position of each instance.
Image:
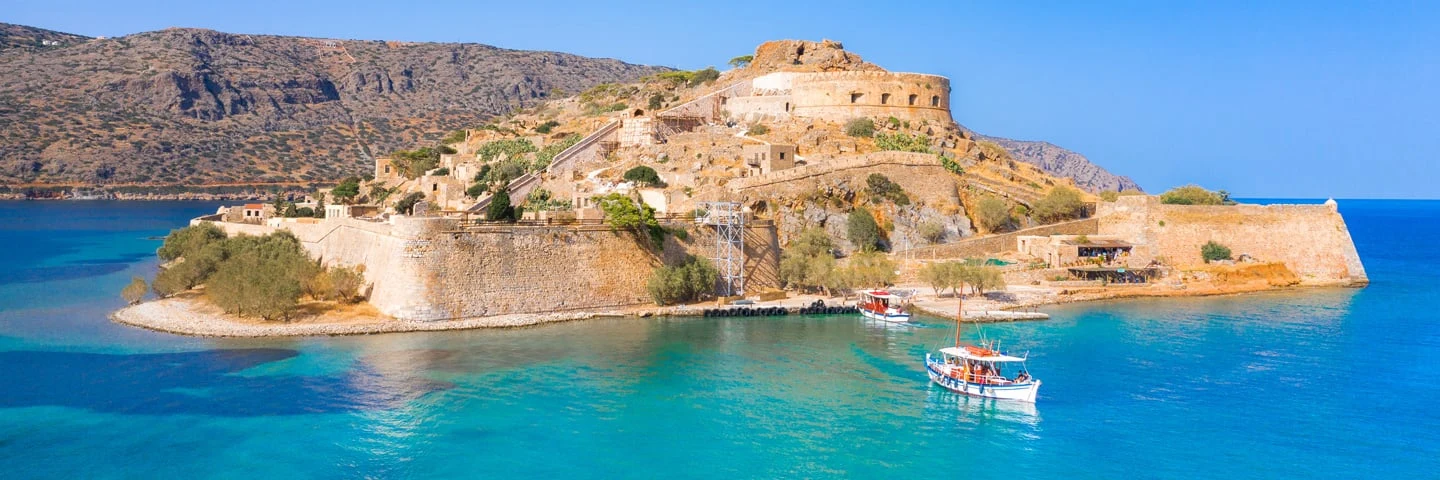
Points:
(883, 305)
(980, 371)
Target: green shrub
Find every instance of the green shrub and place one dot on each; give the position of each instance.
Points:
(992, 214)
(499, 208)
(692, 280)
(506, 149)
(477, 189)
(656, 101)
(808, 262)
(708, 75)
(936, 275)
(1195, 195)
(742, 61)
(1110, 195)
(135, 291)
(676, 77)
(406, 204)
(901, 142)
(454, 137)
(547, 154)
(414, 163)
(189, 240)
(758, 129)
(258, 281)
(346, 191)
(932, 231)
(951, 165)
(1213, 251)
(862, 230)
(880, 187)
(340, 284)
(623, 213)
(860, 127)
(1061, 203)
(440, 172)
(871, 269)
(644, 176)
(547, 127)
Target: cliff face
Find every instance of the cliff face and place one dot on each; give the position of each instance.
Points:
(1064, 163)
(187, 106)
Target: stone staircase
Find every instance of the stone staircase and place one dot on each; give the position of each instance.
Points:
(586, 148)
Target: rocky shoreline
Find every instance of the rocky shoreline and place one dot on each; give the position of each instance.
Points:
(189, 316)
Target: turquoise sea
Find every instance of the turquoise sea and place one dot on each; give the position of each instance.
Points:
(1330, 383)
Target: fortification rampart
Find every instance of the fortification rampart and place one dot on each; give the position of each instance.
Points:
(899, 163)
(428, 268)
(840, 96)
(1311, 240)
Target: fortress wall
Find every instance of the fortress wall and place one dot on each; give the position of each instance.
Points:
(757, 109)
(827, 96)
(428, 268)
(1312, 240)
(762, 253)
(457, 274)
(895, 165)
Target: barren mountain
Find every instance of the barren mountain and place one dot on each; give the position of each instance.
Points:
(199, 107)
(1060, 162)
(31, 38)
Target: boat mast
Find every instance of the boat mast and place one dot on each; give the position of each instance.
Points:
(959, 315)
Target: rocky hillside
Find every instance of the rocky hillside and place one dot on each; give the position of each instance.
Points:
(21, 37)
(199, 107)
(1064, 163)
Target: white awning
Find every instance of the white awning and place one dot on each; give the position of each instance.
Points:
(965, 354)
(879, 294)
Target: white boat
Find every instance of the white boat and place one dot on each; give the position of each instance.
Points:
(980, 371)
(883, 305)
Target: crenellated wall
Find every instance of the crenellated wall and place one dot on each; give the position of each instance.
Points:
(1311, 240)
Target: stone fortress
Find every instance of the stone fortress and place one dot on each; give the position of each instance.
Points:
(445, 262)
(840, 96)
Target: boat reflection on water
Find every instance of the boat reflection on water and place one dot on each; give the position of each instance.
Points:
(977, 411)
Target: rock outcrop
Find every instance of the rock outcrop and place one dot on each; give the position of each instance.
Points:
(1060, 162)
(807, 56)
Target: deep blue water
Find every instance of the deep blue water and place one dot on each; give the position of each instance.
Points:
(1335, 383)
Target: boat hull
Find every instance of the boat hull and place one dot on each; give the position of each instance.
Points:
(1024, 392)
(892, 318)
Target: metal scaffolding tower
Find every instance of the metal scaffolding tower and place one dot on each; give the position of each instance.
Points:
(729, 255)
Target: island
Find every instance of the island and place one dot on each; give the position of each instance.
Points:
(801, 175)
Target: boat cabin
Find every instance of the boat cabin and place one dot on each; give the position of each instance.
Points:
(883, 305)
(982, 365)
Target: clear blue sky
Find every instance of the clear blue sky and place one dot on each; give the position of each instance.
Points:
(1304, 99)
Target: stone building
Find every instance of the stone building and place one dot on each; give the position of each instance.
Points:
(1067, 250)
(385, 169)
(254, 213)
(763, 158)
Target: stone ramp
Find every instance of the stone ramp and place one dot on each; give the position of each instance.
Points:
(586, 148)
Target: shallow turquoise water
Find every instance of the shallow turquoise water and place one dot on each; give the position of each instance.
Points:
(1323, 383)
